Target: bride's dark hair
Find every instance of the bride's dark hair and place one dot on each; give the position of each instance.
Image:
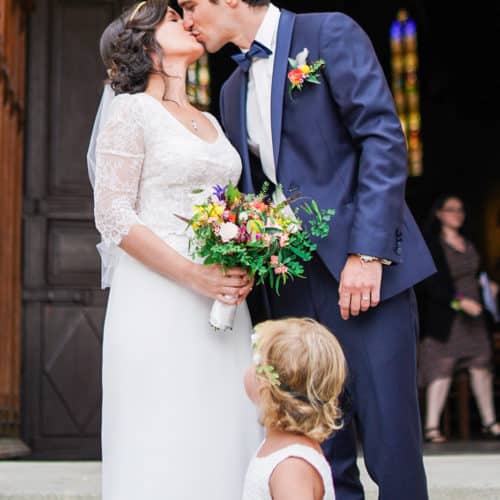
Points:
(128, 44)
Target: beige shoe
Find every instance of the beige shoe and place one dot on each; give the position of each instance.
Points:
(433, 435)
(491, 431)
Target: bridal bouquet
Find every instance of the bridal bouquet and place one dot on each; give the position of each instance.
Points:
(251, 231)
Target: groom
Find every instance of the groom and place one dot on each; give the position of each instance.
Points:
(340, 143)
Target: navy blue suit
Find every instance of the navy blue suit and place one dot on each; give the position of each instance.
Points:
(341, 143)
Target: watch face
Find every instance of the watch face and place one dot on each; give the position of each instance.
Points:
(368, 258)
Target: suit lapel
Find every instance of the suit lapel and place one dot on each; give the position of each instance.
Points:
(280, 71)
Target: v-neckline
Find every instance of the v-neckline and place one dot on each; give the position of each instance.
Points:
(455, 249)
(183, 127)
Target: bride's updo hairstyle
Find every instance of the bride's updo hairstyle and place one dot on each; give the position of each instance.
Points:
(128, 46)
(308, 371)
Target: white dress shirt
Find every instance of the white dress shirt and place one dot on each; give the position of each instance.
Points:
(260, 78)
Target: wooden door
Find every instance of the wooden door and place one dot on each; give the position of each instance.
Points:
(12, 62)
(63, 307)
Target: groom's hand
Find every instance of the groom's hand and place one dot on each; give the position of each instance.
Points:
(359, 287)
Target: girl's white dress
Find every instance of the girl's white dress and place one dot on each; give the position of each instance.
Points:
(261, 468)
(176, 423)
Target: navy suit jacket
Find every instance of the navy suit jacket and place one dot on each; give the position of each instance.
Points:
(340, 143)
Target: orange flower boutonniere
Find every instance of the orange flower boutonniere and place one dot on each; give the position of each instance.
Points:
(302, 72)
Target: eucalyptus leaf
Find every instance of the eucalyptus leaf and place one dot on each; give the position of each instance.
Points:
(272, 230)
(316, 208)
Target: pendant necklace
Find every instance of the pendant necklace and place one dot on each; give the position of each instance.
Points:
(194, 123)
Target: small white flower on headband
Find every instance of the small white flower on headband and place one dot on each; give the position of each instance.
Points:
(256, 358)
(256, 354)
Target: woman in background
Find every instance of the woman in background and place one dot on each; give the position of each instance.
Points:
(453, 322)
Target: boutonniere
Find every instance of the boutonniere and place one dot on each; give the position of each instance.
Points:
(302, 72)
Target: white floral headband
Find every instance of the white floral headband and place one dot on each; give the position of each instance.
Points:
(269, 371)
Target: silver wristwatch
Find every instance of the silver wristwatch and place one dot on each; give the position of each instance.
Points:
(370, 258)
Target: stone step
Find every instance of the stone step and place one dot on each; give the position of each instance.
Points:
(455, 477)
(462, 477)
(25, 480)
(13, 448)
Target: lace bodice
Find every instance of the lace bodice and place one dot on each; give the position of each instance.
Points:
(260, 470)
(149, 167)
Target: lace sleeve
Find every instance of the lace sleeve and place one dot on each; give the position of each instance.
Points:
(119, 159)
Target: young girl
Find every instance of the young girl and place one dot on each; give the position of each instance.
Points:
(295, 381)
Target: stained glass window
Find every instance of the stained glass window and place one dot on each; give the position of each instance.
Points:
(198, 84)
(405, 88)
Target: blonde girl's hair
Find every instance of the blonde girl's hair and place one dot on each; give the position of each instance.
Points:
(312, 370)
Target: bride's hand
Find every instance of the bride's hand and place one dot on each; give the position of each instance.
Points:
(244, 291)
(230, 287)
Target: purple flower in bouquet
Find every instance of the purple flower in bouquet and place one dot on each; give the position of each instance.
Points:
(220, 192)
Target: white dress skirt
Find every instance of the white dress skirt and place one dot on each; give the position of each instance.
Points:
(176, 423)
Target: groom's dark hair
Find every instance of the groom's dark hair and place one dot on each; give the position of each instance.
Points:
(252, 3)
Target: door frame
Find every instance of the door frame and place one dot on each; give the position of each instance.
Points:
(13, 19)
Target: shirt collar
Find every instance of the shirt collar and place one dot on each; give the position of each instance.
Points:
(266, 35)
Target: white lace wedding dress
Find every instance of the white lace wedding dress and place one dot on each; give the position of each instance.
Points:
(176, 423)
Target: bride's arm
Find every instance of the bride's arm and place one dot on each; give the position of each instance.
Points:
(153, 252)
(119, 159)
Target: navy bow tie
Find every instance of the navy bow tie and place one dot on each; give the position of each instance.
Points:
(256, 50)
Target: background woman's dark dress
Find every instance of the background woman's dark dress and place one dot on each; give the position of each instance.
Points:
(466, 343)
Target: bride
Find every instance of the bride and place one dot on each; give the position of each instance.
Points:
(176, 423)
